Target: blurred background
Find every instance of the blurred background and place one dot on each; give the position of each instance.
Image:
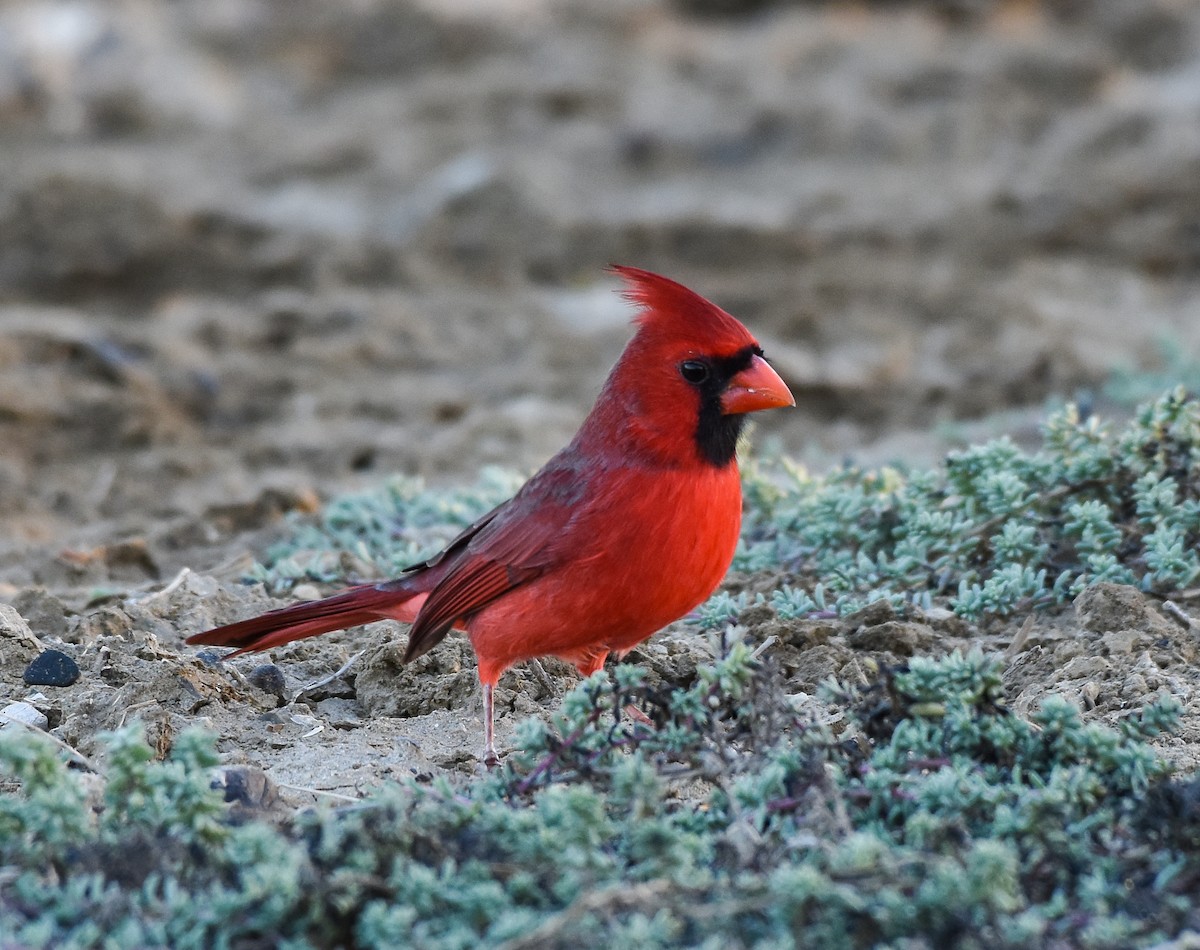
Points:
(253, 252)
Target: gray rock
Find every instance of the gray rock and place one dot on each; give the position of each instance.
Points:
(269, 678)
(24, 713)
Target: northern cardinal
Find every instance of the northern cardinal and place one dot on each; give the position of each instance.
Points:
(626, 529)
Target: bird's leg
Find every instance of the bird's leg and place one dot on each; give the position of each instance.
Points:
(490, 759)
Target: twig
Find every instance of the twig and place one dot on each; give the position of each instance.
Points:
(129, 709)
(318, 791)
(79, 756)
(169, 589)
(555, 754)
(1054, 493)
(764, 646)
(216, 570)
(328, 679)
(1178, 613)
(551, 757)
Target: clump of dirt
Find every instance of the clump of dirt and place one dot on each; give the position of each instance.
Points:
(441, 679)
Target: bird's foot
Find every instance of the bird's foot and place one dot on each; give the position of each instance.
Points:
(490, 759)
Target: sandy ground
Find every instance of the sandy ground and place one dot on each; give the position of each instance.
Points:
(255, 253)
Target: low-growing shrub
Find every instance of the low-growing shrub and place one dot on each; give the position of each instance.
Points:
(715, 817)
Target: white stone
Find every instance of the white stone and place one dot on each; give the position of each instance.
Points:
(24, 713)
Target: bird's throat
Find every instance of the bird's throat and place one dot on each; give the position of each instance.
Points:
(717, 434)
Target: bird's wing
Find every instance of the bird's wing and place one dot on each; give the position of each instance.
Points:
(515, 543)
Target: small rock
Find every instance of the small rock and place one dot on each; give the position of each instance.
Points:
(871, 615)
(945, 622)
(12, 624)
(340, 713)
(1067, 651)
(806, 634)
(894, 636)
(1122, 641)
(269, 678)
(108, 621)
(202, 585)
(1085, 667)
(210, 657)
(51, 668)
(1135, 689)
(1103, 608)
(24, 713)
(248, 787)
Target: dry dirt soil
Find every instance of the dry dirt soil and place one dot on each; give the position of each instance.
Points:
(256, 253)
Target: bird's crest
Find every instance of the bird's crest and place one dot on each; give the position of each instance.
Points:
(669, 310)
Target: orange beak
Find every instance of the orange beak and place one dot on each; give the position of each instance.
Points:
(754, 388)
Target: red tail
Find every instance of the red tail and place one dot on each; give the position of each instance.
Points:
(363, 604)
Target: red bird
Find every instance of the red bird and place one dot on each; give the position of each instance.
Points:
(628, 528)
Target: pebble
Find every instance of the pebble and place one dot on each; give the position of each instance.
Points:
(23, 712)
(247, 786)
(200, 584)
(51, 668)
(12, 624)
(268, 678)
(340, 713)
(210, 657)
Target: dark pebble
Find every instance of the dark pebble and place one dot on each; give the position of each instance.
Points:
(210, 657)
(268, 678)
(51, 668)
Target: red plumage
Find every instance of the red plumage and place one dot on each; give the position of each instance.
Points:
(626, 529)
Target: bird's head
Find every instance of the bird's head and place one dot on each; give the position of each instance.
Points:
(690, 374)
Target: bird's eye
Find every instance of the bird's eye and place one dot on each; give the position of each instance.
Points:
(693, 371)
